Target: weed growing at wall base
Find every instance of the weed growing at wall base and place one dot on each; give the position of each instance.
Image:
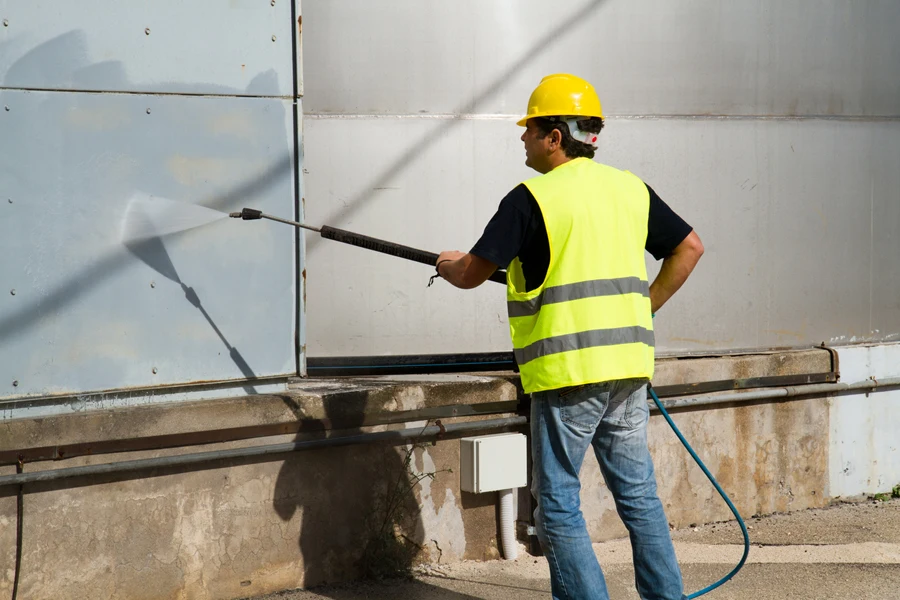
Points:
(390, 551)
(895, 493)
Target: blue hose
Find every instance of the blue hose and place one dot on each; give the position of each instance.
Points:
(719, 489)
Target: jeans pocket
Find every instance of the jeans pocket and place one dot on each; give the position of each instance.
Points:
(628, 404)
(637, 412)
(583, 408)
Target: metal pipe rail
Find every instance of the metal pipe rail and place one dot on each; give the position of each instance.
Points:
(433, 431)
(781, 392)
(427, 432)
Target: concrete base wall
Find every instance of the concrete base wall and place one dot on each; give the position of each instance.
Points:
(247, 527)
(244, 529)
(769, 457)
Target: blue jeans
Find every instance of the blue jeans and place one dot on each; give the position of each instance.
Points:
(612, 417)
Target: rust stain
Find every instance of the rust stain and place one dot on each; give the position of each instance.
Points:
(193, 170)
(761, 470)
(743, 424)
(773, 459)
(823, 218)
(86, 119)
(236, 124)
(784, 430)
(726, 474)
(300, 24)
(701, 342)
(795, 334)
(303, 284)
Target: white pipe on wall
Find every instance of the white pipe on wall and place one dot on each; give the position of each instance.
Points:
(508, 526)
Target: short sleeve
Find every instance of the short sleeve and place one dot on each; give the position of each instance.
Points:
(665, 229)
(507, 230)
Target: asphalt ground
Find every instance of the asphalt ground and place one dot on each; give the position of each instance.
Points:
(846, 551)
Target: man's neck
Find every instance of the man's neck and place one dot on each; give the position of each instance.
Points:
(557, 160)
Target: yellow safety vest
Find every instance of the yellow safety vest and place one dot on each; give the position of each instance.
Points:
(589, 321)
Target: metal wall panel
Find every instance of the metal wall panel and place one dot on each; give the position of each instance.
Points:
(233, 47)
(80, 311)
(773, 127)
(801, 221)
(89, 313)
(765, 57)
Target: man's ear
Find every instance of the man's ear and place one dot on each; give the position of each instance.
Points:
(556, 137)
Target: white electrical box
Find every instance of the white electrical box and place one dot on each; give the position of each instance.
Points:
(493, 462)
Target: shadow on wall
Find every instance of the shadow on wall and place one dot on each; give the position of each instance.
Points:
(90, 169)
(416, 150)
(360, 517)
(152, 252)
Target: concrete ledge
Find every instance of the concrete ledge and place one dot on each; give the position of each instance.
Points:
(310, 405)
(697, 369)
(242, 528)
(337, 403)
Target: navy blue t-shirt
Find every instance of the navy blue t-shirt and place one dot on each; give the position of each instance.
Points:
(517, 229)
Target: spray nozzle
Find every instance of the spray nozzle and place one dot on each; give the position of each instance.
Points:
(247, 214)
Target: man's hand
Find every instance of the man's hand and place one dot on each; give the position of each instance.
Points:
(463, 270)
(450, 255)
(675, 270)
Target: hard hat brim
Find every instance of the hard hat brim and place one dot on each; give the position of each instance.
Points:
(523, 122)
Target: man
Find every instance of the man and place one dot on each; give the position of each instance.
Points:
(580, 316)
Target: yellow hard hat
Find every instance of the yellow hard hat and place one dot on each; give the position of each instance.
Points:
(562, 95)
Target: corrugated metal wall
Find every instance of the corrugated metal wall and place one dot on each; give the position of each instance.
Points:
(772, 127)
(192, 101)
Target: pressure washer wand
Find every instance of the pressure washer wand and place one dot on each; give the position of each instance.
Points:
(361, 241)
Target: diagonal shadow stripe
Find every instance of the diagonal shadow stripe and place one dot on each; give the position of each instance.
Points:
(104, 268)
(416, 149)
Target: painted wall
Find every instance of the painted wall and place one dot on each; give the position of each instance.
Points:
(189, 101)
(865, 451)
(773, 128)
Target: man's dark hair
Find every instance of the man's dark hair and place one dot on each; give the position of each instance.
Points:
(572, 147)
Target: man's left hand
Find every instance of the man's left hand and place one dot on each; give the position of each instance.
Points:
(464, 270)
(450, 255)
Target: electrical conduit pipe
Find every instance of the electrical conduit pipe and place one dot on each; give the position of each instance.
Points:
(508, 526)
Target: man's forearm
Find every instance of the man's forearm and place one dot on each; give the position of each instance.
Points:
(675, 271)
(465, 271)
(454, 272)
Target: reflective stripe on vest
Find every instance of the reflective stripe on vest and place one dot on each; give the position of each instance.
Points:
(589, 320)
(582, 340)
(576, 291)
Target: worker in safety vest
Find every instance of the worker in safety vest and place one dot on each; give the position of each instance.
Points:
(580, 315)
